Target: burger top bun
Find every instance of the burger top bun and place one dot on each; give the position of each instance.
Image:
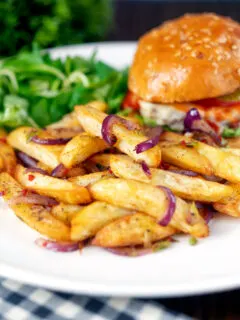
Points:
(193, 57)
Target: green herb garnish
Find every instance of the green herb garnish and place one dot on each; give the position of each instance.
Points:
(161, 245)
(231, 133)
(192, 241)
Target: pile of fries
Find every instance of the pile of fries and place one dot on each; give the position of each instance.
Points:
(71, 186)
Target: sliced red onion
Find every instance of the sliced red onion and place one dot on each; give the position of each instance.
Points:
(214, 179)
(188, 173)
(108, 123)
(138, 251)
(130, 251)
(171, 206)
(38, 170)
(60, 171)
(57, 246)
(146, 169)
(154, 136)
(209, 216)
(27, 160)
(49, 141)
(33, 198)
(194, 122)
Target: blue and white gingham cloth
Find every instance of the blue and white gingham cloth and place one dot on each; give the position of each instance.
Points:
(21, 302)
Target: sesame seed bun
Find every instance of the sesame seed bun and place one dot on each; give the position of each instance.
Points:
(194, 57)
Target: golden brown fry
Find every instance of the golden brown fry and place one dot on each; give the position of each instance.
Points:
(224, 164)
(191, 188)
(142, 197)
(137, 229)
(66, 212)
(80, 148)
(91, 120)
(49, 155)
(36, 216)
(87, 179)
(68, 121)
(93, 217)
(1, 164)
(77, 171)
(234, 151)
(99, 105)
(230, 205)
(8, 156)
(101, 159)
(62, 190)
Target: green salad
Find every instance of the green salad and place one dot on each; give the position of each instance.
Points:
(37, 90)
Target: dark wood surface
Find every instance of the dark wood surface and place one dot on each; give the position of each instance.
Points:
(133, 18)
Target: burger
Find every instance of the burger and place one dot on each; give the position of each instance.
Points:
(188, 67)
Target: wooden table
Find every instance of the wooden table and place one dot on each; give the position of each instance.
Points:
(133, 18)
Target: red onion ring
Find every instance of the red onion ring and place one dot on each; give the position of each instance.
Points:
(188, 173)
(60, 171)
(57, 246)
(194, 122)
(154, 134)
(108, 123)
(171, 206)
(33, 198)
(49, 141)
(27, 160)
(146, 169)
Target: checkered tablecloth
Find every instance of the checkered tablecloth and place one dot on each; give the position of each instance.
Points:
(21, 302)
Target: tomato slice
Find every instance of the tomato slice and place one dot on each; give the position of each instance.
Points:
(215, 102)
(131, 101)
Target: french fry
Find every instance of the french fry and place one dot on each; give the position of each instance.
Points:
(49, 155)
(224, 164)
(93, 217)
(137, 229)
(9, 158)
(77, 171)
(61, 190)
(230, 205)
(142, 197)
(91, 120)
(80, 148)
(66, 212)
(99, 105)
(234, 151)
(1, 164)
(68, 121)
(101, 159)
(191, 188)
(87, 179)
(36, 216)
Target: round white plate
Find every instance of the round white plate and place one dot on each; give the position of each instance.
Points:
(212, 265)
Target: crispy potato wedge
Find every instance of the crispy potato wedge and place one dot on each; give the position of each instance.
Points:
(224, 164)
(230, 205)
(137, 229)
(93, 217)
(49, 155)
(68, 121)
(99, 105)
(87, 179)
(91, 120)
(101, 159)
(66, 212)
(9, 158)
(36, 216)
(234, 151)
(80, 148)
(61, 190)
(1, 164)
(191, 188)
(142, 197)
(77, 171)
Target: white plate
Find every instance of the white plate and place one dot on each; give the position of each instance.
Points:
(212, 265)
